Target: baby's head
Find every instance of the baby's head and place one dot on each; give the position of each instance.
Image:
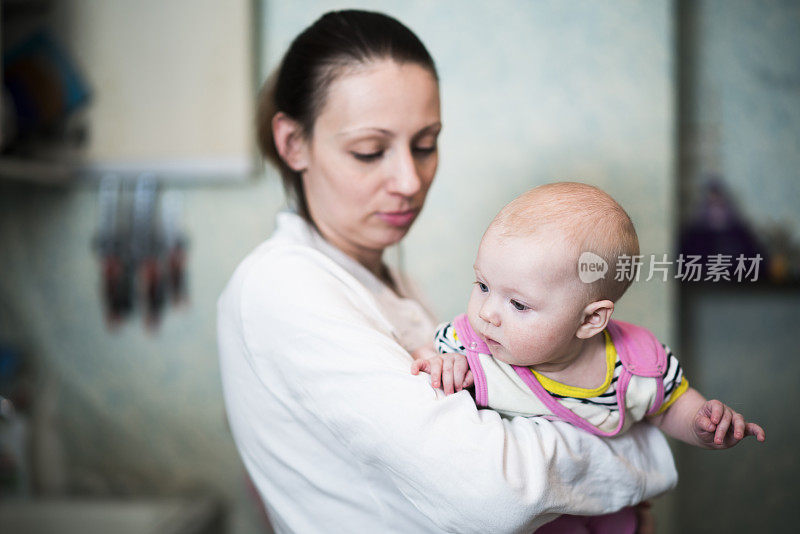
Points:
(529, 302)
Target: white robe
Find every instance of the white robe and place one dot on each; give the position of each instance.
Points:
(339, 436)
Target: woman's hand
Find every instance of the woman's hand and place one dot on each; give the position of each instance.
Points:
(448, 371)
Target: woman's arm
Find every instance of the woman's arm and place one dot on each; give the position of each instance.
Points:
(465, 469)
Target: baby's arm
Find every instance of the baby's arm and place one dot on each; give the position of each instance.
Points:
(709, 424)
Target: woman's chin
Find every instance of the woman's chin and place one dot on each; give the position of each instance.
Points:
(391, 235)
(393, 240)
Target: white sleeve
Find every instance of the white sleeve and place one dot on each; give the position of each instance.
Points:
(466, 469)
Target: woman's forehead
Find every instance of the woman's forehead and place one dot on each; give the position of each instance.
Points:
(382, 96)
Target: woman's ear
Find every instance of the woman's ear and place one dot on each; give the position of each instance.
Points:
(290, 142)
(595, 318)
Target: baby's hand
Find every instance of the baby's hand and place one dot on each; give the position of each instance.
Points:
(717, 426)
(449, 371)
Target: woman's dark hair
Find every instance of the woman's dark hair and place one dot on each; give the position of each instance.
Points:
(315, 58)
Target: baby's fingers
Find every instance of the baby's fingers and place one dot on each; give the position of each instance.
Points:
(468, 380)
(460, 370)
(752, 429)
(447, 376)
(715, 410)
(738, 426)
(436, 372)
(704, 424)
(722, 427)
(419, 365)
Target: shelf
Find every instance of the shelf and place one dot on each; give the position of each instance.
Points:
(37, 171)
(792, 284)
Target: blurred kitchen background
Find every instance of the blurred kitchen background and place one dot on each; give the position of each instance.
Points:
(130, 189)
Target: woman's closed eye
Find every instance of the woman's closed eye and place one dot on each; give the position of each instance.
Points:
(420, 151)
(426, 142)
(423, 151)
(367, 156)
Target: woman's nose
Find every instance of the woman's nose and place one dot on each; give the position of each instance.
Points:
(405, 180)
(488, 313)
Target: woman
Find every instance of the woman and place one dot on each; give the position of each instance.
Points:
(315, 331)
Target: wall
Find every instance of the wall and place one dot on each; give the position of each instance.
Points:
(532, 92)
(135, 413)
(742, 122)
(743, 106)
(741, 348)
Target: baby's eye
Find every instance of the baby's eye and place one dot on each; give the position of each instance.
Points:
(483, 287)
(518, 305)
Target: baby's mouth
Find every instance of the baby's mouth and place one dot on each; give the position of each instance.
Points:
(490, 341)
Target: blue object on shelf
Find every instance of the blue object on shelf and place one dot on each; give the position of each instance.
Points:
(43, 82)
(9, 366)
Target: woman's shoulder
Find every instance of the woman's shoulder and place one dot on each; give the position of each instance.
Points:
(284, 264)
(285, 278)
(285, 258)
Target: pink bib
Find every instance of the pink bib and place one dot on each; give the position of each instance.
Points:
(639, 351)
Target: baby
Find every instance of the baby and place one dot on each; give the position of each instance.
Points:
(538, 341)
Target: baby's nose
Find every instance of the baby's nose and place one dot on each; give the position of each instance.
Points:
(489, 314)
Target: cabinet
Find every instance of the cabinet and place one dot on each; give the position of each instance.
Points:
(171, 88)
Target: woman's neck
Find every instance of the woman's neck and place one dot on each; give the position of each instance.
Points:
(371, 260)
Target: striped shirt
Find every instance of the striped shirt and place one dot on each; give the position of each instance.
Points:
(446, 340)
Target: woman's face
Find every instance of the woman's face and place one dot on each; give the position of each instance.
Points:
(372, 156)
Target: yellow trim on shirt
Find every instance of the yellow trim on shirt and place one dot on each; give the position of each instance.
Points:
(677, 392)
(582, 393)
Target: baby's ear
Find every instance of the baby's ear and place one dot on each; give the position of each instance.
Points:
(595, 318)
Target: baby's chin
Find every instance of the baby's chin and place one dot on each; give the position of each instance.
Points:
(499, 353)
(510, 360)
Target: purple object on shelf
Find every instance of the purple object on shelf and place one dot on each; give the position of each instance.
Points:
(717, 227)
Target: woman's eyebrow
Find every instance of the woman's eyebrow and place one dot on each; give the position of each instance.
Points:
(383, 131)
(365, 130)
(436, 126)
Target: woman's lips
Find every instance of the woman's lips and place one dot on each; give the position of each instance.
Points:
(398, 218)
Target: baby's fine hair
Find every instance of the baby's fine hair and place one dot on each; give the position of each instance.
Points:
(587, 219)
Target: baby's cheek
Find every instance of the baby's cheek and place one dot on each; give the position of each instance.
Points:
(517, 344)
(472, 311)
(550, 333)
(533, 344)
